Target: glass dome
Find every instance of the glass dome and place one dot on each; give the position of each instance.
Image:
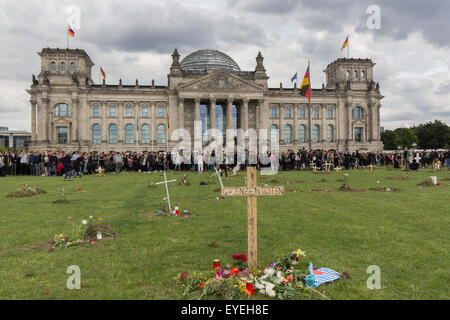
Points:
(208, 59)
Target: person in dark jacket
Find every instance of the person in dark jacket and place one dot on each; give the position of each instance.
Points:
(67, 163)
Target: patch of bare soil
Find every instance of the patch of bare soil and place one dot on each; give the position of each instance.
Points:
(273, 180)
(348, 189)
(340, 180)
(398, 178)
(320, 190)
(387, 189)
(213, 245)
(92, 230)
(323, 180)
(300, 181)
(62, 201)
(428, 184)
(25, 193)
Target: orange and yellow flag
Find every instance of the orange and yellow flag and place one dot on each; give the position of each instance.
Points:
(102, 73)
(70, 32)
(345, 44)
(305, 87)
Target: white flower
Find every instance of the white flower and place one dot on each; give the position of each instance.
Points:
(91, 217)
(271, 293)
(269, 271)
(84, 222)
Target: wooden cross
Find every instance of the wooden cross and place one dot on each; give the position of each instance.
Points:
(313, 166)
(252, 191)
(220, 179)
(167, 190)
(328, 165)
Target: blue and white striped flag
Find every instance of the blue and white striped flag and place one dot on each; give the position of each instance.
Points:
(320, 276)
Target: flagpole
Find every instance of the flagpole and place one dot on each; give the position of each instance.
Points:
(309, 112)
(348, 48)
(67, 36)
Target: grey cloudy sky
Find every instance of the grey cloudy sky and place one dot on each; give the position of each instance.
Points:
(134, 39)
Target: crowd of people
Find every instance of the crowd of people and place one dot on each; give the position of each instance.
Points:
(76, 164)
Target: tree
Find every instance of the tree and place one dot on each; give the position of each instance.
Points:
(388, 137)
(433, 135)
(405, 137)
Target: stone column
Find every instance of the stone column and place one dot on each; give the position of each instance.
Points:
(11, 140)
(153, 122)
(75, 113)
(43, 120)
(212, 113)
(180, 113)
(244, 115)
(281, 124)
(197, 109)
(349, 122)
(295, 131)
(229, 113)
(322, 123)
(33, 120)
(121, 124)
(103, 125)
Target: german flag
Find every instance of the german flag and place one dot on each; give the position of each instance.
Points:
(305, 87)
(102, 73)
(345, 44)
(168, 120)
(70, 32)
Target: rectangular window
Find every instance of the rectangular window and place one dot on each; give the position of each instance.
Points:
(302, 113)
(358, 134)
(160, 112)
(330, 113)
(145, 112)
(129, 112)
(274, 113)
(288, 113)
(95, 112)
(316, 113)
(112, 112)
(62, 135)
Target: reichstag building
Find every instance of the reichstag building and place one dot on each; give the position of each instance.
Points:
(70, 112)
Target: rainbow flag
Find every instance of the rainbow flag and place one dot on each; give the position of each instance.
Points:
(345, 44)
(305, 87)
(102, 73)
(70, 32)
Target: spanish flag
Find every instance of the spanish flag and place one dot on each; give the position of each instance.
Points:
(305, 87)
(345, 44)
(102, 73)
(70, 32)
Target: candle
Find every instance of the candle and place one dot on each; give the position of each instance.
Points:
(99, 235)
(216, 264)
(249, 287)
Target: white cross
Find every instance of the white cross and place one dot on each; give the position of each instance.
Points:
(167, 190)
(220, 179)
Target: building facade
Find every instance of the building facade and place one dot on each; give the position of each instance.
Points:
(14, 138)
(70, 112)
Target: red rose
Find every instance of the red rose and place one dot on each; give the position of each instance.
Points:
(184, 275)
(235, 256)
(243, 257)
(70, 219)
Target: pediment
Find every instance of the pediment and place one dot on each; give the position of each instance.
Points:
(61, 121)
(220, 81)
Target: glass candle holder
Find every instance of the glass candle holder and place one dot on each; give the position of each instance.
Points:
(216, 264)
(99, 235)
(249, 287)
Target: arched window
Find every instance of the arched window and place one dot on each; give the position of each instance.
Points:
(316, 133)
(274, 133)
(330, 137)
(53, 66)
(301, 133)
(161, 134)
(358, 113)
(129, 133)
(348, 74)
(62, 110)
(96, 134)
(356, 74)
(287, 134)
(113, 134)
(63, 66)
(145, 133)
(72, 66)
(363, 74)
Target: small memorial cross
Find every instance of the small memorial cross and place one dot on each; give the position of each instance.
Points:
(167, 190)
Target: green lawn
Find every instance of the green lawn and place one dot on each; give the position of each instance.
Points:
(405, 233)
